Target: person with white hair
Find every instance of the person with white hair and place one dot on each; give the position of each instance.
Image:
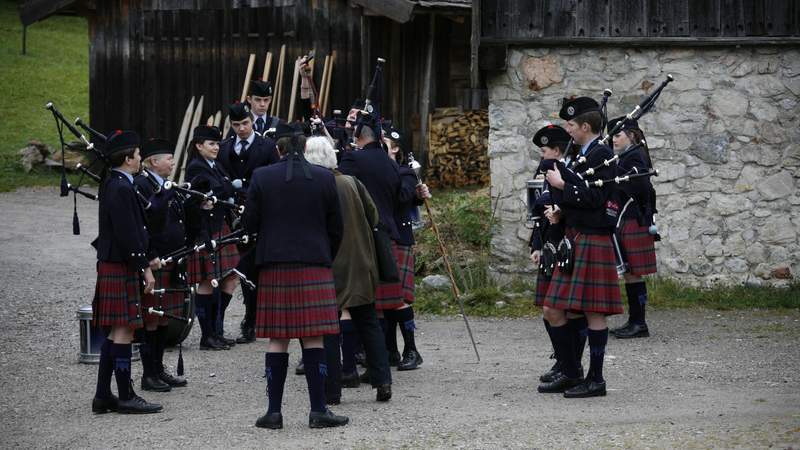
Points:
(355, 274)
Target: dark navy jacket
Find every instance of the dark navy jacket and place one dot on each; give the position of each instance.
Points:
(298, 221)
(123, 231)
(380, 175)
(203, 178)
(261, 152)
(407, 201)
(165, 218)
(587, 208)
(632, 161)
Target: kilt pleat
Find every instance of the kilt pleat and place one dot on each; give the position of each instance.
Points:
(593, 285)
(391, 295)
(171, 302)
(117, 300)
(295, 301)
(542, 284)
(640, 248)
(200, 266)
(405, 264)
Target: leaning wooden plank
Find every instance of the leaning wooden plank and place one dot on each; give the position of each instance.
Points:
(217, 118)
(295, 82)
(267, 67)
(195, 122)
(180, 143)
(276, 100)
(250, 64)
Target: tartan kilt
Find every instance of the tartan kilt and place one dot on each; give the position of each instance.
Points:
(200, 265)
(295, 301)
(171, 302)
(116, 296)
(405, 264)
(392, 295)
(640, 248)
(542, 284)
(593, 285)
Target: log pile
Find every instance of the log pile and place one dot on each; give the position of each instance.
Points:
(458, 148)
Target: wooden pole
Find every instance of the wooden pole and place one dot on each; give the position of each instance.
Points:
(276, 100)
(195, 122)
(217, 118)
(267, 67)
(250, 64)
(327, 96)
(180, 143)
(210, 120)
(295, 82)
(425, 95)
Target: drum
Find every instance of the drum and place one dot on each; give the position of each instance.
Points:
(91, 338)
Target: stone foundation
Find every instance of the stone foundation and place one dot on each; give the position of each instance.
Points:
(724, 137)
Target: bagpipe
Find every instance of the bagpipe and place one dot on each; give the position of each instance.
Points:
(235, 237)
(99, 162)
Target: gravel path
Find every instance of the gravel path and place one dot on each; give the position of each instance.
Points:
(705, 379)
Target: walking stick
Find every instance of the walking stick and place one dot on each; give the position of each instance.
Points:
(446, 260)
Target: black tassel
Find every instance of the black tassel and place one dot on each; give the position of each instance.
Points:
(76, 225)
(64, 184)
(180, 360)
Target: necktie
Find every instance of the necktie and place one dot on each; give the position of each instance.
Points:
(242, 146)
(260, 125)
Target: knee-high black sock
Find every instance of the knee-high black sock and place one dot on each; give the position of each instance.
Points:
(224, 302)
(549, 334)
(276, 365)
(202, 308)
(149, 353)
(104, 371)
(597, 351)
(563, 342)
(162, 343)
(333, 359)
(348, 346)
(633, 292)
(390, 331)
(405, 317)
(579, 327)
(316, 371)
(121, 353)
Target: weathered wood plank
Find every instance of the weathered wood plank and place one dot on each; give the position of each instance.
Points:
(592, 18)
(755, 17)
(530, 19)
(488, 14)
(704, 17)
(731, 18)
(627, 18)
(668, 17)
(780, 17)
(559, 19)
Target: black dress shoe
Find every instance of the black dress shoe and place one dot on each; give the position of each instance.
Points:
(394, 358)
(227, 341)
(172, 380)
(634, 330)
(155, 384)
(248, 336)
(138, 405)
(589, 388)
(211, 343)
(104, 405)
(560, 384)
(300, 369)
(620, 328)
(384, 393)
(551, 374)
(326, 419)
(273, 421)
(351, 380)
(411, 361)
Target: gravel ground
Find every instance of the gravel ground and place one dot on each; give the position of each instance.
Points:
(705, 379)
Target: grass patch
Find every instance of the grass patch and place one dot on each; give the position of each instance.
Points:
(669, 293)
(55, 69)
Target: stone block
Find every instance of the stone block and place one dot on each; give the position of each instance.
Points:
(779, 185)
(540, 73)
(712, 149)
(778, 229)
(736, 265)
(724, 204)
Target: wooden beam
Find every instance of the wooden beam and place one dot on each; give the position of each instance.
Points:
(474, 45)
(425, 95)
(397, 10)
(646, 42)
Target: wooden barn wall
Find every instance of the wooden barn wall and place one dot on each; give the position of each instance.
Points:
(147, 59)
(531, 19)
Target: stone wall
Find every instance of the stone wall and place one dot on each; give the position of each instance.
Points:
(724, 137)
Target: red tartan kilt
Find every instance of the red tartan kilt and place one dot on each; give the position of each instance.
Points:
(593, 285)
(405, 265)
(295, 301)
(116, 296)
(640, 248)
(200, 266)
(171, 302)
(391, 295)
(542, 284)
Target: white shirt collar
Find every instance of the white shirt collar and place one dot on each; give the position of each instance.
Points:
(586, 146)
(155, 175)
(210, 162)
(127, 175)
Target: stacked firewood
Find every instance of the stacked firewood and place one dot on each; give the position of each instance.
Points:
(458, 148)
